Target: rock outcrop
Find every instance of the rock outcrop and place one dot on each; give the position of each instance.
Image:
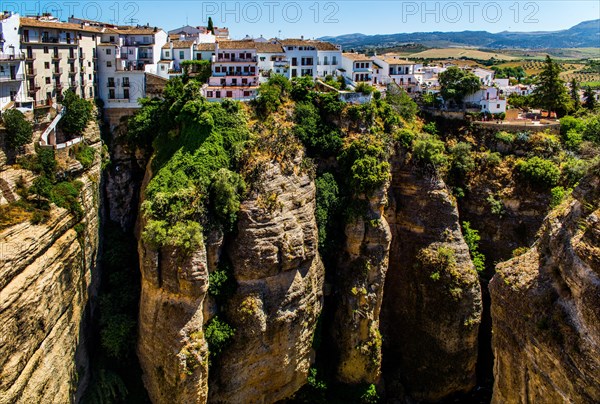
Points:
(279, 295)
(546, 309)
(360, 279)
(432, 298)
(46, 275)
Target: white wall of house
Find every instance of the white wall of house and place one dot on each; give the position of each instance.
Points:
(303, 60)
(12, 68)
(489, 99)
(328, 62)
(357, 70)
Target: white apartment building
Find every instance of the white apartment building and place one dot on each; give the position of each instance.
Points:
(302, 55)
(357, 67)
(272, 59)
(125, 55)
(489, 100)
(12, 68)
(329, 58)
(485, 76)
(189, 33)
(58, 56)
(234, 71)
(400, 71)
(173, 53)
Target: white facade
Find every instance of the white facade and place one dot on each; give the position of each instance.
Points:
(124, 56)
(12, 68)
(357, 68)
(302, 56)
(402, 72)
(489, 99)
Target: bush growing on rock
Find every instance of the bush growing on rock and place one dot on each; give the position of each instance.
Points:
(18, 130)
(539, 172)
(429, 152)
(79, 113)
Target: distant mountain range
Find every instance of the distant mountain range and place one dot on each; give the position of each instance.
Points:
(583, 35)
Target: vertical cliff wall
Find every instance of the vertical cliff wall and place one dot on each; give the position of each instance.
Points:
(279, 295)
(546, 310)
(361, 275)
(432, 298)
(46, 271)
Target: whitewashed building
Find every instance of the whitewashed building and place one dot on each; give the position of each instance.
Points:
(488, 99)
(234, 71)
(400, 71)
(302, 56)
(12, 63)
(272, 59)
(329, 58)
(125, 55)
(357, 68)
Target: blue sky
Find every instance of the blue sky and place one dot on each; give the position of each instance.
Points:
(319, 18)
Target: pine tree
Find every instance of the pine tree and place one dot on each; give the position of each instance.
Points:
(590, 99)
(575, 94)
(210, 26)
(551, 93)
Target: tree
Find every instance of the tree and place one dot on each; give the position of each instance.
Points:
(590, 99)
(457, 83)
(210, 26)
(401, 102)
(551, 93)
(79, 113)
(18, 129)
(575, 94)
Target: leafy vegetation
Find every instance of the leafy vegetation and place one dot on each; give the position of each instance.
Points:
(199, 70)
(85, 155)
(457, 83)
(550, 92)
(218, 336)
(18, 130)
(327, 205)
(539, 172)
(472, 239)
(79, 113)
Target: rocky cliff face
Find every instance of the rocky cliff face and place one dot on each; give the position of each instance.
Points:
(46, 273)
(361, 273)
(279, 295)
(545, 311)
(432, 298)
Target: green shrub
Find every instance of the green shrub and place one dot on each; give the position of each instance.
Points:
(319, 138)
(85, 155)
(66, 195)
(568, 123)
(462, 160)
(201, 69)
(492, 159)
(472, 239)
(268, 99)
(370, 395)
(428, 151)
(496, 206)
(364, 88)
(430, 128)
(227, 189)
(572, 139)
(365, 165)
(573, 170)
(218, 336)
(405, 137)
(591, 132)
(505, 137)
(301, 88)
(18, 130)
(401, 102)
(539, 172)
(558, 195)
(79, 113)
(221, 282)
(327, 204)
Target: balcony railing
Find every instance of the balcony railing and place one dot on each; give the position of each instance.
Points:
(58, 85)
(126, 84)
(236, 59)
(56, 56)
(145, 56)
(57, 72)
(12, 77)
(234, 74)
(110, 84)
(73, 84)
(81, 55)
(72, 72)
(72, 56)
(32, 72)
(30, 56)
(16, 56)
(130, 42)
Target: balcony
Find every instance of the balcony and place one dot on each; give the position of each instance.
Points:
(83, 83)
(58, 85)
(221, 59)
(81, 55)
(73, 85)
(234, 74)
(130, 42)
(145, 56)
(56, 56)
(72, 72)
(126, 84)
(110, 84)
(11, 77)
(32, 72)
(10, 57)
(30, 56)
(72, 56)
(58, 72)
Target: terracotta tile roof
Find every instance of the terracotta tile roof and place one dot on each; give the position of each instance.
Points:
(237, 45)
(178, 44)
(267, 47)
(296, 42)
(34, 22)
(324, 46)
(129, 30)
(393, 61)
(357, 57)
(205, 46)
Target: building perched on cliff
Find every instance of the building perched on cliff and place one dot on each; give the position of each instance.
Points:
(12, 69)
(58, 56)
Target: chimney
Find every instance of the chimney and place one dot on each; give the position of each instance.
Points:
(302, 37)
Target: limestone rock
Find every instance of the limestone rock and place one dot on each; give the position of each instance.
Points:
(546, 309)
(279, 296)
(432, 298)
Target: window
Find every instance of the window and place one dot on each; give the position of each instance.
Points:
(334, 61)
(162, 67)
(108, 51)
(91, 92)
(229, 94)
(112, 39)
(181, 55)
(111, 94)
(125, 81)
(209, 94)
(246, 93)
(45, 49)
(167, 54)
(46, 65)
(109, 64)
(47, 80)
(126, 93)
(497, 106)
